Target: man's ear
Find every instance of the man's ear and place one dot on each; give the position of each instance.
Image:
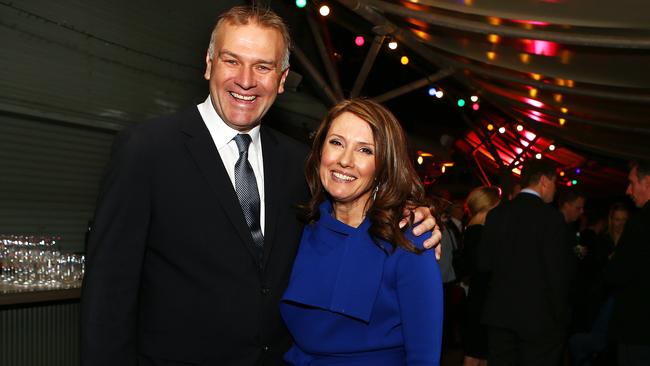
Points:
(283, 78)
(208, 66)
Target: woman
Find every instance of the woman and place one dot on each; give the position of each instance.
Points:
(362, 291)
(479, 202)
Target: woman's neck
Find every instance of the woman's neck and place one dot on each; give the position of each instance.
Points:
(350, 213)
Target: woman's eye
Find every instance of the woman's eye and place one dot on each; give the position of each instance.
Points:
(335, 142)
(366, 150)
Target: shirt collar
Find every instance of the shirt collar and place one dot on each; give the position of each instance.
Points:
(531, 191)
(221, 133)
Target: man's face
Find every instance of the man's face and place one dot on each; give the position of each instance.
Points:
(638, 190)
(245, 73)
(573, 210)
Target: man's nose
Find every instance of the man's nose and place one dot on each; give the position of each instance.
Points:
(245, 78)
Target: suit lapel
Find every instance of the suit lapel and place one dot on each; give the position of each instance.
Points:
(202, 150)
(273, 173)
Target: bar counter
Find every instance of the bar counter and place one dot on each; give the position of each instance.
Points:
(15, 295)
(39, 326)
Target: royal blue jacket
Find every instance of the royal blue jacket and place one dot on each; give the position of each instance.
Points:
(352, 301)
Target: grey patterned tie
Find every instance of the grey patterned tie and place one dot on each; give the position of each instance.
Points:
(246, 187)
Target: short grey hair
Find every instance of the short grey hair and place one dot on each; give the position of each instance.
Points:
(264, 17)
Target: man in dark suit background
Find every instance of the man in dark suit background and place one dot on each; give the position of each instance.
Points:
(524, 248)
(629, 272)
(184, 266)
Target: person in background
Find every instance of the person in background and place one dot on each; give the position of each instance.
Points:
(362, 290)
(628, 271)
(524, 249)
(196, 228)
(618, 215)
(475, 344)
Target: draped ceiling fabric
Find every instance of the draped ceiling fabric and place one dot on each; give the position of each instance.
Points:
(572, 73)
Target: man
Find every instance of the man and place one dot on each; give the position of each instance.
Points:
(524, 248)
(572, 205)
(629, 272)
(196, 231)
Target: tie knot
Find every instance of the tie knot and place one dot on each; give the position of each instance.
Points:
(242, 140)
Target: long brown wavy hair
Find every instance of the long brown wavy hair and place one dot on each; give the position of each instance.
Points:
(398, 184)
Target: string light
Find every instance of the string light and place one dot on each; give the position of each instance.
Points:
(520, 128)
(490, 127)
(574, 182)
(404, 60)
(562, 121)
(551, 147)
(562, 174)
(420, 160)
(359, 41)
(392, 45)
(324, 10)
(475, 107)
(432, 91)
(301, 3)
(439, 94)
(473, 98)
(493, 38)
(538, 156)
(502, 129)
(461, 102)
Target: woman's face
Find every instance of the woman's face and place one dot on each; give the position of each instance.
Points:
(347, 166)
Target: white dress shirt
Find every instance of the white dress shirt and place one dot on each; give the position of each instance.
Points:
(223, 135)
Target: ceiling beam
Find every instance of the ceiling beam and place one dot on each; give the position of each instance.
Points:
(565, 37)
(314, 74)
(367, 64)
(325, 55)
(413, 85)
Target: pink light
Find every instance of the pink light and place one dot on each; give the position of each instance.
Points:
(529, 135)
(531, 22)
(475, 106)
(518, 150)
(524, 142)
(534, 103)
(359, 41)
(541, 48)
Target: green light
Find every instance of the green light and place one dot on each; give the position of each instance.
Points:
(301, 3)
(461, 102)
(574, 182)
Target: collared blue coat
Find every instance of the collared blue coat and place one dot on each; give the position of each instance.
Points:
(352, 301)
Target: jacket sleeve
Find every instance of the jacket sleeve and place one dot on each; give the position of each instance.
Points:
(114, 257)
(419, 290)
(558, 266)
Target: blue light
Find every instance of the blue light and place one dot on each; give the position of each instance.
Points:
(432, 91)
(578, 171)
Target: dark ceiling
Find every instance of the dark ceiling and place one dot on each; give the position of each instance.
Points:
(571, 74)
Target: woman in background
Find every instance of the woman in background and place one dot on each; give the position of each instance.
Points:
(362, 290)
(479, 202)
